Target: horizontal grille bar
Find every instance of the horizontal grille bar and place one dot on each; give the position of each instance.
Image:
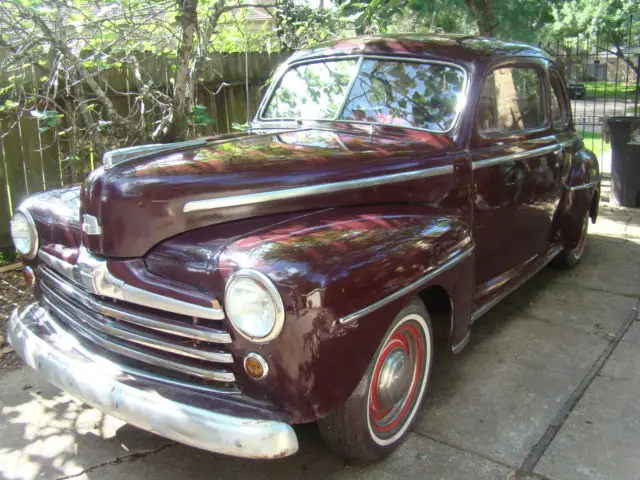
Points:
(131, 334)
(137, 354)
(148, 320)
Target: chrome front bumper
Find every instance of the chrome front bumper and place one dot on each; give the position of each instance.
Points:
(98, 382)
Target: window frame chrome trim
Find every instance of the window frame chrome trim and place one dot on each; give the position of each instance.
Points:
(513, 157)
(542, 75)
(93, 274)
(453, 260)
(326, 188)
(361, 58)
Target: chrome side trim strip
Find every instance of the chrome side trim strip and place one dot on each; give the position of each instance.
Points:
(148, 320)
(485, 308)
(289, 193)
(568, 143)
(457, 348)
(453, 260)
(512, 157)
(92, 274)
(584, 186)
(59, 304)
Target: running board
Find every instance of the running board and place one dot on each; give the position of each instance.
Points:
(550, 255)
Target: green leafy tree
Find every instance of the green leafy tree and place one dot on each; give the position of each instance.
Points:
(612, 26)
(512, 19)
(298, 25)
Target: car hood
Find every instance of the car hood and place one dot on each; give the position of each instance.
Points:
(140, 202)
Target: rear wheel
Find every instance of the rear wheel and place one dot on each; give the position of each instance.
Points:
(376, 417)
(570, 257)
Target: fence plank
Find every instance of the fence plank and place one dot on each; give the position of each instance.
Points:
(12, 150)
(50, 160)
(31, 159)
(5, 211)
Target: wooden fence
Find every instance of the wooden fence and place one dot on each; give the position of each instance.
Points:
(32, 161)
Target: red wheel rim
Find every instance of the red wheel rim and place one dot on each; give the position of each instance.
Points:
(408, 341)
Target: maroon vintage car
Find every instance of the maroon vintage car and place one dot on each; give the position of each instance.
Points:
(390, 191)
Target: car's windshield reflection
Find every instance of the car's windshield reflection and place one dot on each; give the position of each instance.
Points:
(420, 95)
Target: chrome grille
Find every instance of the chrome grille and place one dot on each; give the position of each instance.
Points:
(169, 342)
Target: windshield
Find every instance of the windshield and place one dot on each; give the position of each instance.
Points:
(389, 92)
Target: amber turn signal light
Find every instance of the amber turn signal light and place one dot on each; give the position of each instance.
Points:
(256, 366)
(28, 276)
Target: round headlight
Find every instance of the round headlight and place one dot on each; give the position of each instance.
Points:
(254, 305)
(24, 234)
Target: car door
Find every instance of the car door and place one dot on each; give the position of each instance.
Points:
(566, 136)
(515, 167)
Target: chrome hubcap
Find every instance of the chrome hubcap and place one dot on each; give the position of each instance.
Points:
(395, 379)
(399, 379)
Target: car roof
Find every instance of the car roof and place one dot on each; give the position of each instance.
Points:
(460, 48)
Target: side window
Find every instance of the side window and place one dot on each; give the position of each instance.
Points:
(559, 107)
(511, 102)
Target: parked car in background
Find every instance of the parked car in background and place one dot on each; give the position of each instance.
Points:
(390, 191)
(577, 90)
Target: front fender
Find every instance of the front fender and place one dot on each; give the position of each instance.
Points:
(330, 265)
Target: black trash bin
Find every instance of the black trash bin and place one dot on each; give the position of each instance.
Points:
(625, 160)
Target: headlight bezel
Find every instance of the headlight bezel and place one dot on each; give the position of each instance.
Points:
(33, 233)
(267, 285)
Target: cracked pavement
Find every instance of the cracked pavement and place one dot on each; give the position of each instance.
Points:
(546, 389)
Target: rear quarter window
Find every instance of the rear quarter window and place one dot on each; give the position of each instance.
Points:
(511, 102)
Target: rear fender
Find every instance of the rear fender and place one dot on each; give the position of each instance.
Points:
(344, 274)
(582, 194)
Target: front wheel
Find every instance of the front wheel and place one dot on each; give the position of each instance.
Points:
(570, 257)
(376, 417)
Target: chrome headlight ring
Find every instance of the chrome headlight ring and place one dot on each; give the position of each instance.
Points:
(24, 234)
(254, 305)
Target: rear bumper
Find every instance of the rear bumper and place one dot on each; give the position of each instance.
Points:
(95, 380)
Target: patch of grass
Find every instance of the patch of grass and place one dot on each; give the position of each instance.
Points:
(610, 90)
(593, 141)
(8, 255)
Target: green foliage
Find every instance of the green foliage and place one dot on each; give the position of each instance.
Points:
(610, 20)
(48, 119)
(515, 19)
(8, 255)
(298, 25)
(200, 117)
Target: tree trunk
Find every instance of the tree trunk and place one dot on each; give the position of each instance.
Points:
(485, 16)
(179, 104)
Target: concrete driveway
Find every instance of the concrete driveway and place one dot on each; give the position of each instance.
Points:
(547, 388)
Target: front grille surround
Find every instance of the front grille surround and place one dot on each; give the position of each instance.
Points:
(178, 347)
